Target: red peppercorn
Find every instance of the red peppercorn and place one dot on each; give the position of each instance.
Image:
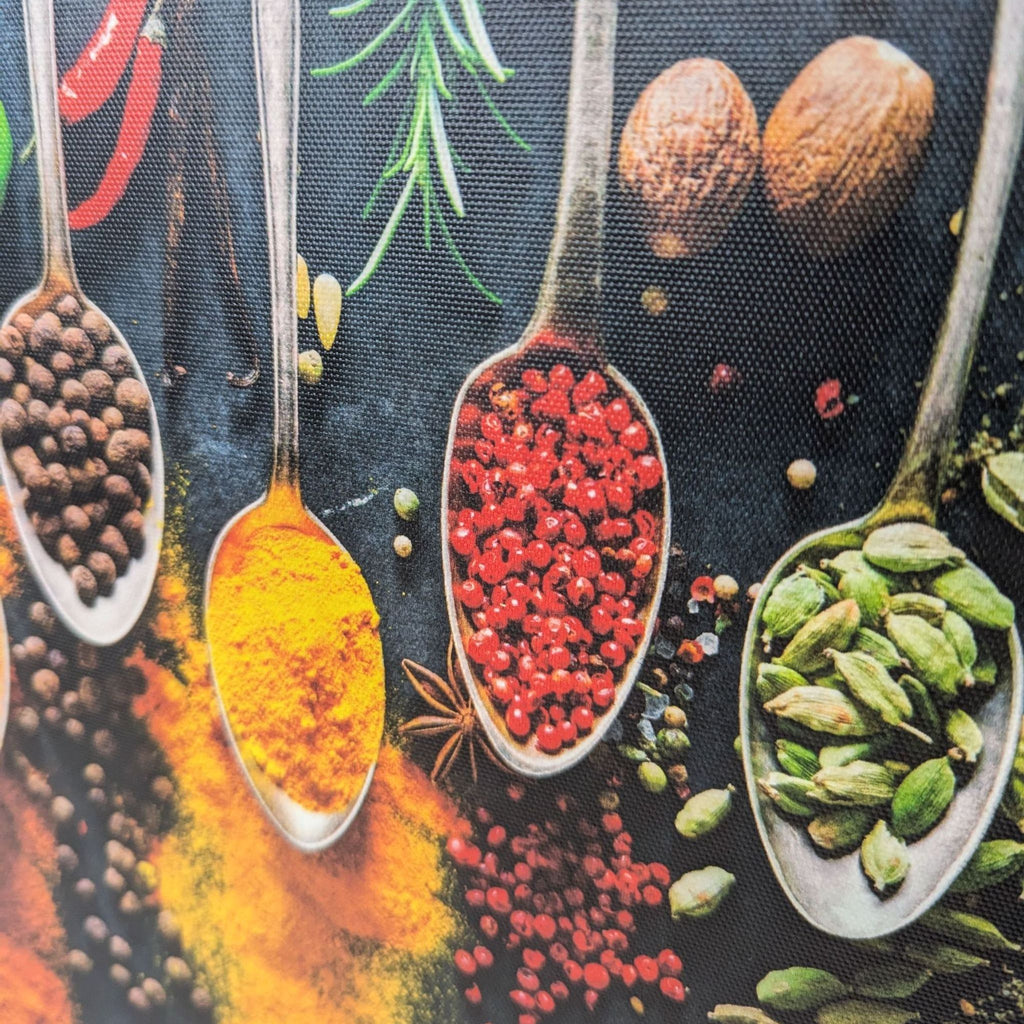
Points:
(651, 895)
(647, 968)
(672, 988)
(534, 959)
(473, 995)
(498, 900)
(522, 999)
(669, 963)
(465, 963)
(559, 990)
(545, 1002)
(558, 953)
(527, 979)
(572, 971)
(488, 926)
(590, 999)
(496, 836)
(628, 975)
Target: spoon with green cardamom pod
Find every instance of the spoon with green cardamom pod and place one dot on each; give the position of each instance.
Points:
(889, 662)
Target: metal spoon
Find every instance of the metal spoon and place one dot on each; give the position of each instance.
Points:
(110, 617)
(569, 305)
(276, 42)
(833, 895)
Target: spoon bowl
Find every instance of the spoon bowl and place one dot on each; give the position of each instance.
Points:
(506, 367)
(307, 829)
(832, 894)
(110, 617)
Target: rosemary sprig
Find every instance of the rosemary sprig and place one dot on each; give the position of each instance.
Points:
(433, 49)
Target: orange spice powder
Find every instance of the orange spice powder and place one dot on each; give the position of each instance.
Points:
(357, 933)
(297, 654)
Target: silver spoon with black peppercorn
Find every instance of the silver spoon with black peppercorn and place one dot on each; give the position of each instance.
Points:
(831, 893)
(82, 460)
(556, 506)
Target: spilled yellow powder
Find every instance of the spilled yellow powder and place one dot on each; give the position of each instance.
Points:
(353, 934)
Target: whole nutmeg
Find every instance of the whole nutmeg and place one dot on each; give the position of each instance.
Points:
(21, 392)
(12, 342)
(118, 491)
(68, 552)
(47, 448)
(97, 511)
(845, 142)
(132, 527)
(7, 372)
(75, 522)
(58, 418)
(60, 482)
(74, 441)
(62, 364)
(99, 432)
(688, 154)
(112, 417)
(132, 399)
(38, 415)
(121, 451)
(45, 334)
(76, 343)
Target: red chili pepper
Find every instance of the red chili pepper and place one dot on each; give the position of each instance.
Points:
(135, 124)
(91, 81)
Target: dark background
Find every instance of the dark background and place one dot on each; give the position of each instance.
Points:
(379, 419)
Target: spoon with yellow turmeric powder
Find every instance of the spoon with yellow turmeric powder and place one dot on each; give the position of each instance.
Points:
(291, 624)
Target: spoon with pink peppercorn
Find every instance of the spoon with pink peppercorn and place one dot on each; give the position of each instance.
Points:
(556, 503)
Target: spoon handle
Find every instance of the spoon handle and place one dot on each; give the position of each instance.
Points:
(570, 294)
(276, 44)
(915, 488)
(58, 268)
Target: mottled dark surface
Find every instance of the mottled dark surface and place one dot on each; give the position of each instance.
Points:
(379, 419)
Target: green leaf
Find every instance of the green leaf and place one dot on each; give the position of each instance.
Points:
(443, 154)
(386, 82)
(6, 153)
(461, 261)
(346, 9)
(436, 71)
(458, 41)
(385, 238)
(500, 117)
(481, 40)
(372, 47)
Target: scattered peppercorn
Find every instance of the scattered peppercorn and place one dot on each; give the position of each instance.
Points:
(801, 474)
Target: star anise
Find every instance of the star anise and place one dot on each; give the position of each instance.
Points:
(456, 715)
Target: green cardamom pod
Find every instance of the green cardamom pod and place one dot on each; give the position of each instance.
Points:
(861, 1011)
(968, 591)
(834, 627)
(993, 862)
(929, 607)
(840, 829)
(865, 750)
(871, 595)
(890, 980)
(880, 647)
(853, 560)
(795, 758)
(925, 713)
(859, 783)
(1002, 483)
(775, 679)
(985, 670)
(699, 893)
(897, 768)
(831, 681)
(799, 988)
(884, 858)
(963, 733)
(1012, 804)
(970, 929)
(944, 959)
(793, 601)
(910, 547)
(869, 681)
(789, 793)
(727, 1013)
(930, 654)
(922, 798)
(957, 630)
(704, 812)
(824, 710)
(822, 579)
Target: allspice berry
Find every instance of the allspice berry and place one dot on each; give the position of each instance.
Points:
(45, 334)
(801, 474)
(76, 343)
(96, 326)
(132, 399)
(68, 308)
(84, 583)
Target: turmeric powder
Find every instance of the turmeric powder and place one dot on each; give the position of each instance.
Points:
(296, 650)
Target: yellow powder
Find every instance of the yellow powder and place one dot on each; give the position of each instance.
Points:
(354, 934)
(297, 654)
